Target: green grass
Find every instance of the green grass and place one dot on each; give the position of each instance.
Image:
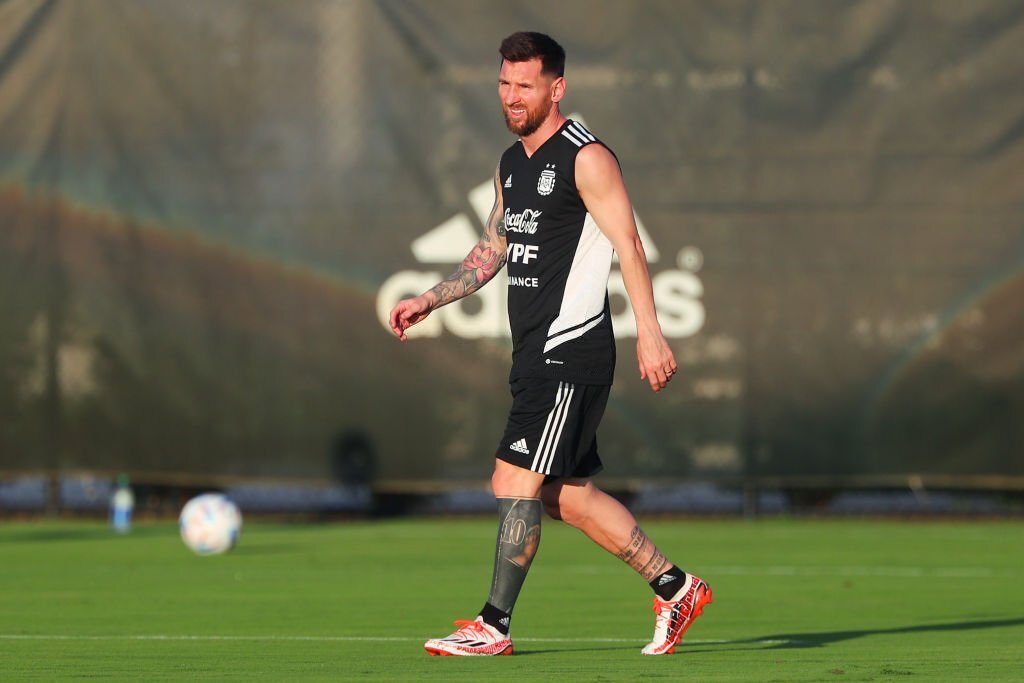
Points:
(794, 601)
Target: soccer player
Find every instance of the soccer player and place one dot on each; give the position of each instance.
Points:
(563, 351)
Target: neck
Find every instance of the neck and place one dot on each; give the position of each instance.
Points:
(538, 137)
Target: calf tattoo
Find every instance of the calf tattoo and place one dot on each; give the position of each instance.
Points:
(642, 555)
(518, 538)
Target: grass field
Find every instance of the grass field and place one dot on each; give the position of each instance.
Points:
(794, 601)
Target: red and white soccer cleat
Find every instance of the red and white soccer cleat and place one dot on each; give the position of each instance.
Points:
(673, 617)
(472, 639)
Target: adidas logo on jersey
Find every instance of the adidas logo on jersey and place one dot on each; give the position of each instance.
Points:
(508, 181)
(520, 446)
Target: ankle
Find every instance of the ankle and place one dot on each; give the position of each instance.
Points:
(668, 583)
(496, 618)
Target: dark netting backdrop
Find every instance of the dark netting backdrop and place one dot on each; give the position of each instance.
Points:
(207, 208)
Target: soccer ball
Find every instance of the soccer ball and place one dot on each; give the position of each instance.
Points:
(210, 524)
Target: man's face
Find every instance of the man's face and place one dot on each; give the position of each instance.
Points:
(526, 95)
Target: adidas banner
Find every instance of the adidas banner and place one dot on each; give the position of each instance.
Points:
(208, 210)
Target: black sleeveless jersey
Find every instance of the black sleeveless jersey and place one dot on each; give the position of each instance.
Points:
(558, 264)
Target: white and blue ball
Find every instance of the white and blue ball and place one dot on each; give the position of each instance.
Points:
(210, 524)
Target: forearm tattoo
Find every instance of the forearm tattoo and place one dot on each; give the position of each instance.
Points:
(482, 263)
(642, 555)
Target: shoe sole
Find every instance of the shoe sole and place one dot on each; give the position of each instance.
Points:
(443, 653)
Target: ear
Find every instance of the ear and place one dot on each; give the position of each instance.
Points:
(558, 89)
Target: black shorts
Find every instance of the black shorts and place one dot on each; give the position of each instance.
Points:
(552, 427)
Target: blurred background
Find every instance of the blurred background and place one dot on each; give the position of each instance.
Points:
(207, 209)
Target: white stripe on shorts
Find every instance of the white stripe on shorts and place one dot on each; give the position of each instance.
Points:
(544, 458)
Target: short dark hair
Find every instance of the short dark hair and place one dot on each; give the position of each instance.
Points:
(523, 46)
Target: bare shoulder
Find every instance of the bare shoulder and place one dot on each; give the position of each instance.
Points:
(596, 168)
(596, 156)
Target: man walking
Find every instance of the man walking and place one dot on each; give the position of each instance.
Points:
(563, 354)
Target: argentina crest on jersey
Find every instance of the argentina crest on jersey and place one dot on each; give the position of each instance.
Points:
(546, 182)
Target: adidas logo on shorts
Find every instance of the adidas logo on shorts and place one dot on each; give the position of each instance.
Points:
(520, 446)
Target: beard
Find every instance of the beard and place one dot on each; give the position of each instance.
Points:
(531, 124)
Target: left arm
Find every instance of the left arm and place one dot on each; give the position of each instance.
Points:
(600, 184)
(477, 269)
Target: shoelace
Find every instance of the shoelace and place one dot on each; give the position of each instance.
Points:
(467, 628)
(660, 614)
(663, 611)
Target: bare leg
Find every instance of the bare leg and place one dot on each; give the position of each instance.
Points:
(681, 597)
(520, 509)
(519, 513)
(605, 521)
(518, 538)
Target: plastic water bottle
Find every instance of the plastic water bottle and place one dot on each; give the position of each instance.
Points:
(122, 502)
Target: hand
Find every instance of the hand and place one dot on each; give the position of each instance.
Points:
(657, 362)
(407, 313)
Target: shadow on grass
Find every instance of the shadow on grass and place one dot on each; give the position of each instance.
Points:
(787, 641)
(782, 641)
(571, 648)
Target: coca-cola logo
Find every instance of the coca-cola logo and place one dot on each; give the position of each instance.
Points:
(525, 221)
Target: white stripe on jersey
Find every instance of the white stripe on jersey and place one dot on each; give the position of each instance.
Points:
(585, 287)
(571, 138)
(578, 128)
(553, 429)
(574, 333)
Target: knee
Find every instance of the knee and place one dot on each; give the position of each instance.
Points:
(550, 500)
(508, 480)
(574, 513)
(500, 482)
(570, 509)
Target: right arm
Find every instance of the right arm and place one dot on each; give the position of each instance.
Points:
(481, 264)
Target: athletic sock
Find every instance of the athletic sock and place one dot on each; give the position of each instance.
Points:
(493, 616)
(669, 583)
